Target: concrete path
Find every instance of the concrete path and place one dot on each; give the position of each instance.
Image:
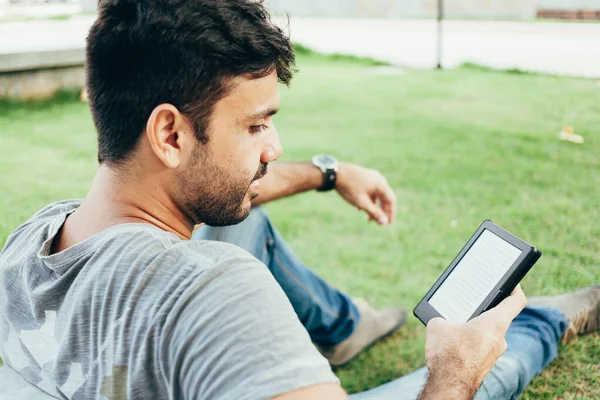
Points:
(556, 48)
(44, 35)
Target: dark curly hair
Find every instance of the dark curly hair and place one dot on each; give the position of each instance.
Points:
(142, 53)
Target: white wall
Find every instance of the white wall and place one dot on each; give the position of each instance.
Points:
(495, 9)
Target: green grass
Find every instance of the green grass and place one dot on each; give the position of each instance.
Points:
(461, 145)
(483, 68)
(303, 51)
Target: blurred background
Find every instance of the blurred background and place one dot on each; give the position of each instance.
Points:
(494, 9)
(38, 35)
(507, 129)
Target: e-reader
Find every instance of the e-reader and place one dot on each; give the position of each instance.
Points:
(484, 273)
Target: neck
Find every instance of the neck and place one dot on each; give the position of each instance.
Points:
(113, 200)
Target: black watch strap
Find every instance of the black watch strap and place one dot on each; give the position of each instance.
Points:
(329, 178)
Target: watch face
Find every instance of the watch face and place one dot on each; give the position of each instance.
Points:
(326, 162)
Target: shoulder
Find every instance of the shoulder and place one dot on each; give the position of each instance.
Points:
(173, 269)
(33, 232)
(54, 210)
(216, 271)
(212, 252)
(48, 214)
(236, 332)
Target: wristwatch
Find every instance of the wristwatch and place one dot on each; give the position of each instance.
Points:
(329, 166)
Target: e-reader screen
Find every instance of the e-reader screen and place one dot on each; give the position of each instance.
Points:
(474, 277)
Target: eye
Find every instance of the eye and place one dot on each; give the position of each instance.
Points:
(254, 129)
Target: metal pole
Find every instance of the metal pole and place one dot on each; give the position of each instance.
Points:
(440, 17)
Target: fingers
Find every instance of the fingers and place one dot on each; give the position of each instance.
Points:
(386, 197)
(509, 308)
(388, 202)
(369, 191)
(371, 208)
(436, 323)
(518, 290)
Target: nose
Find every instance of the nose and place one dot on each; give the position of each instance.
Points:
(272, 149)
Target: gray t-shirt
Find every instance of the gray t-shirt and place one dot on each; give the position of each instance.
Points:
(134, 312)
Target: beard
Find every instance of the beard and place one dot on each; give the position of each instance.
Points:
(215, 196)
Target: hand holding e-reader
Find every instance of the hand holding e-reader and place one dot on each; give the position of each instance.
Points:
(484, 273)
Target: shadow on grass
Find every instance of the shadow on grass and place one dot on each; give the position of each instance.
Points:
(60, 98)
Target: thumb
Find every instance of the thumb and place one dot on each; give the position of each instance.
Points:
(510, 307)
(376, 213)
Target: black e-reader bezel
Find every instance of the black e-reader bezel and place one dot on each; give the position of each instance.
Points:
(529, 256)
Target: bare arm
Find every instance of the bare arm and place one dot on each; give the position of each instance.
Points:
(460, 356)
(326, 391)
(287, 179)
(364, 188)
(444, 383)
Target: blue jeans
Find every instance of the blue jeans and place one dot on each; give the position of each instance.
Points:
(330, 316)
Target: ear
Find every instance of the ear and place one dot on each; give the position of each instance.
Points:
(166, 131)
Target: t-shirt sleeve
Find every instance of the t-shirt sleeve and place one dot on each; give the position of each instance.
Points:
(238, 337)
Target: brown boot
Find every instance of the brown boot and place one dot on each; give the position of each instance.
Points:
(373, 326)
(581, 307)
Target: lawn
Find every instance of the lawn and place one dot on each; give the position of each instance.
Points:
(457, 146)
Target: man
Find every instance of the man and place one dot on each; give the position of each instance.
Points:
(106, 298)
(340, 327)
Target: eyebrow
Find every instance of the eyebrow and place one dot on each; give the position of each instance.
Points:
(262, 114)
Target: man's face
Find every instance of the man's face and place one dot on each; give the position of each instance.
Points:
(222, 177)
